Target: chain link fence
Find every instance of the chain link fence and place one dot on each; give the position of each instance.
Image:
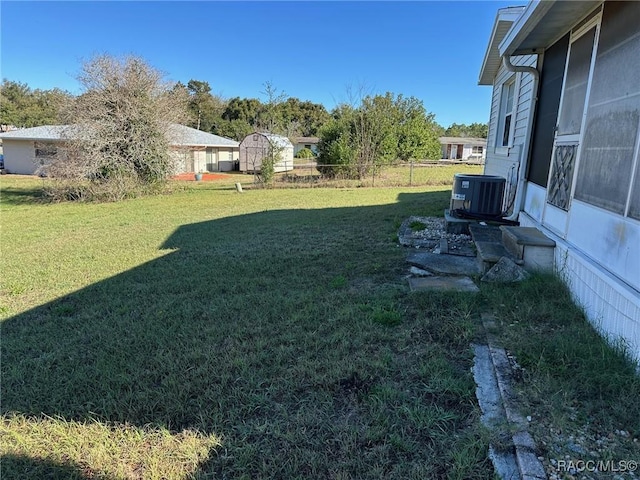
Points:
(311, 174)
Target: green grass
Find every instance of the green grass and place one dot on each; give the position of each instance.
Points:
(578, 389)
(269, 334)
(212, 334)
(423, 174)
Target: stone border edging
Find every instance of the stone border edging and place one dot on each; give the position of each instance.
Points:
(530, 466)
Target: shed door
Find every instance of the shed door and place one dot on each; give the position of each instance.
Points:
(571, 118)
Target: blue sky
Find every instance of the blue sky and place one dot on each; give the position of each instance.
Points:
(432, 50)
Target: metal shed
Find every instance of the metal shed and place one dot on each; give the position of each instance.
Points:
(256, 146)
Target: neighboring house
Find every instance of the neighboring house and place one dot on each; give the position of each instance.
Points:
(306, 142)
(463, 148)
(26, 149)
(256, 146)
(565, 116)
(199, 151)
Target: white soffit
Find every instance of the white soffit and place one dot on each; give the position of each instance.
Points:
(492, 60)
(542, 23)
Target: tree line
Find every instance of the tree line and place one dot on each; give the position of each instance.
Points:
(235, 117)
(117, 139)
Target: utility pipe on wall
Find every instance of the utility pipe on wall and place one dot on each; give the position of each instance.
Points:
(524, 152)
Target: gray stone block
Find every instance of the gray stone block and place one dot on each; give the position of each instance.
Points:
(455, 224)
(444, 264)
(443, 284)
(505, 271)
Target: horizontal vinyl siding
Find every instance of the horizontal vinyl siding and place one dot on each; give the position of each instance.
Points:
(525, 96)
(499, 161)
(493, 117)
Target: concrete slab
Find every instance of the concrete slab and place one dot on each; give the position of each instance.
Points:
(419, 272)
(493, 413)
(485, 233)
(487, 391)
(527, 236)
(462, 249)
(491, 252)
(444, 264)
(443, 284)
(455, 224)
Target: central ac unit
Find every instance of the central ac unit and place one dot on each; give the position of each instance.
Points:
(477, 194)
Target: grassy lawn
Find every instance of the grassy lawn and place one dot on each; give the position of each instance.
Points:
(268, 334)
(208, 333)
(422, 174)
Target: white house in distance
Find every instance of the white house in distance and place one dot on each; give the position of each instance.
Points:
(310, 143)
(565, 115)
(256, 146)
(26, 149)
(200, 151)
(463, 148)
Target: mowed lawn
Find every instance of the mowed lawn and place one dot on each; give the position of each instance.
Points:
(216, 334)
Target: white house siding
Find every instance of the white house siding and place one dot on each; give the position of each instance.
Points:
(503, 161)
(200, 160)
(609, 303)
(523, 109)
(226, 159)
(204, 159)
(19, 156)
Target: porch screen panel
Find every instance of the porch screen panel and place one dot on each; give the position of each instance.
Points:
(613, 116)
(546, 119)
(634, 208)
(575, 89)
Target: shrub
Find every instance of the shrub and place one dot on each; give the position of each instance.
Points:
(305, 153)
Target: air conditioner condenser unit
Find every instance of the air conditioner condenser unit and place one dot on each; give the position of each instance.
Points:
(477, 194)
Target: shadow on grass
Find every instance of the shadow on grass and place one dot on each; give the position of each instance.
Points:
(22, 196)
(239, 331)
(15, 466)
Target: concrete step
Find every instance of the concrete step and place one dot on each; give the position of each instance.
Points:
(488, 240)
(485, 233)
(530, 245)
(489, 253)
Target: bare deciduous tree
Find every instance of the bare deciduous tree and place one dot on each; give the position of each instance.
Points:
(119, 133)
(272, 120)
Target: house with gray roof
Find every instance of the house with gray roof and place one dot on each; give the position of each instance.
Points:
(27, 149)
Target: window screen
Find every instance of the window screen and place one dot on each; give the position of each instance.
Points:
(575, 89)
(613, 117)
(506, 113)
